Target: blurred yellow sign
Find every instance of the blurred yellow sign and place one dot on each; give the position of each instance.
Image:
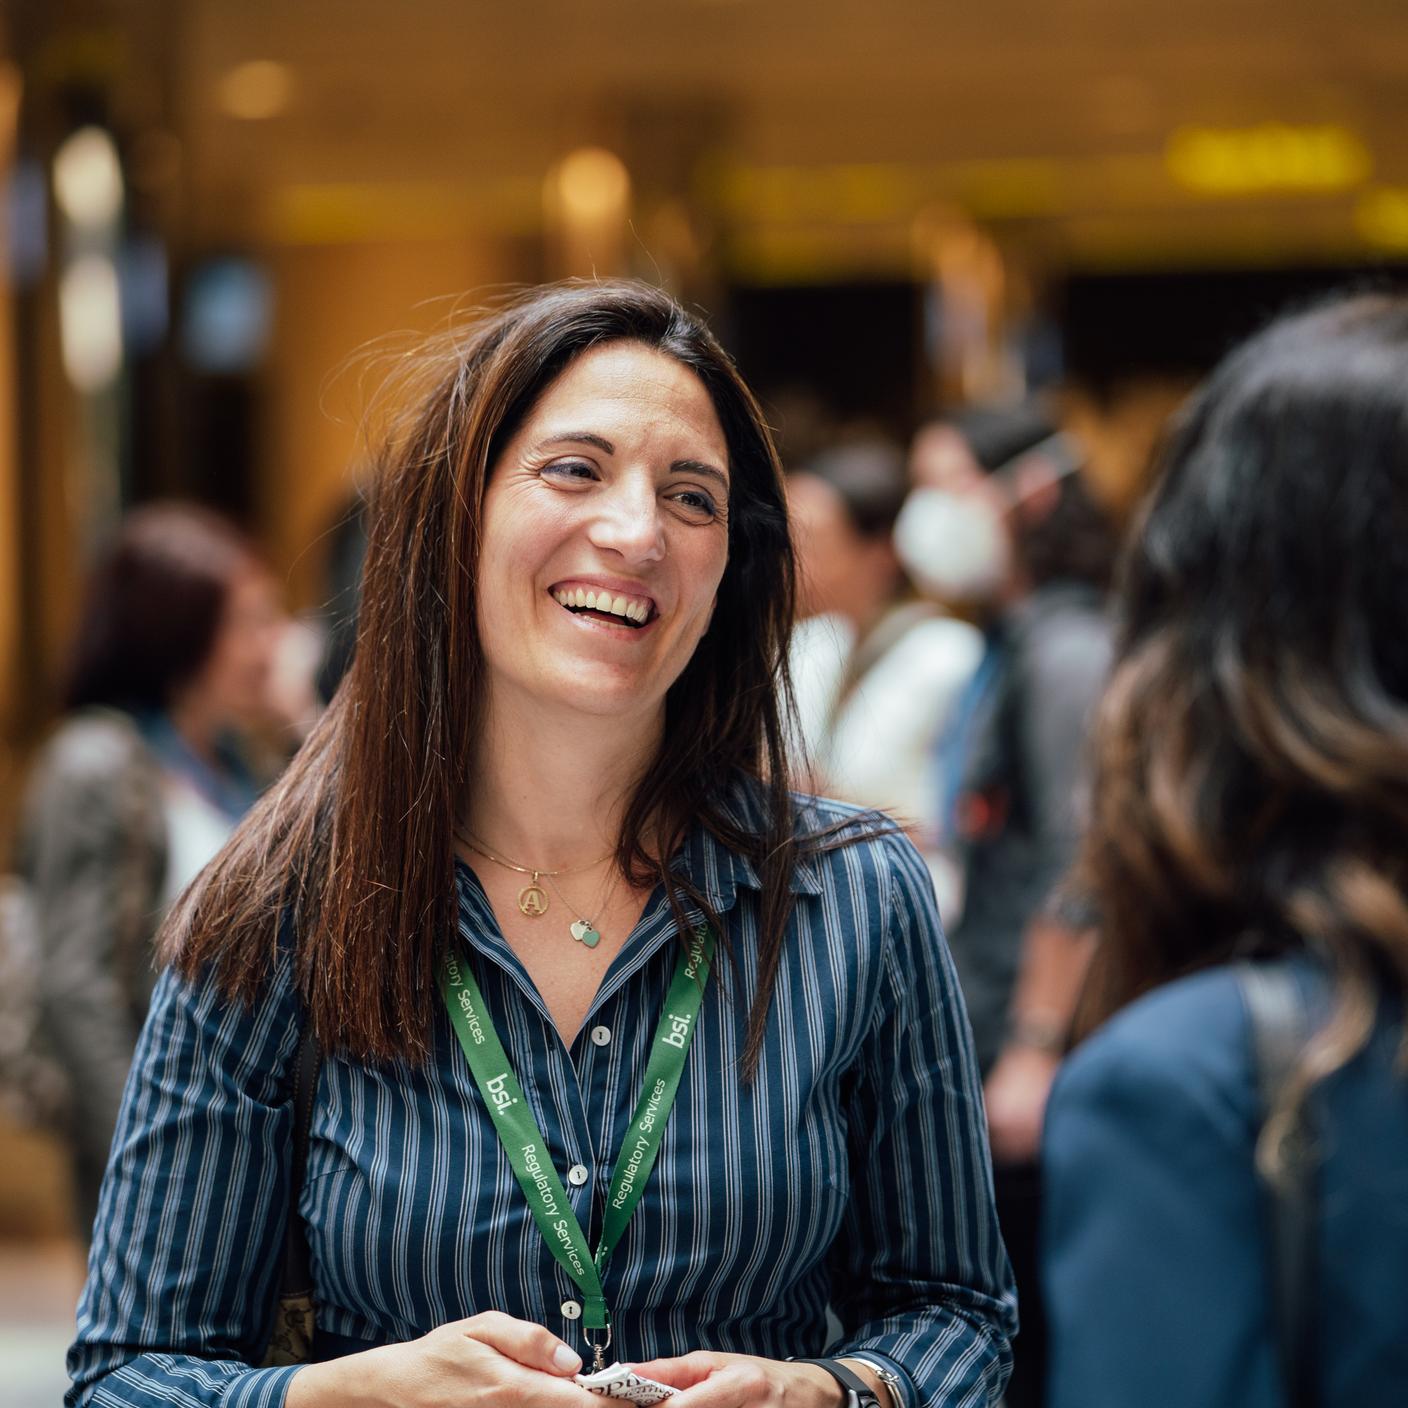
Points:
(1271, 156)
(1382, 217)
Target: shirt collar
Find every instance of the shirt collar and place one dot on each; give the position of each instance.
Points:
(718, 871)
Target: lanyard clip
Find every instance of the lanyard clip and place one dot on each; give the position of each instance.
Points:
(599, 1350)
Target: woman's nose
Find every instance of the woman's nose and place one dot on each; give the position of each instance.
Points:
(628, 523)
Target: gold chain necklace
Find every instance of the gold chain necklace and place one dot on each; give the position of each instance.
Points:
(533, 899)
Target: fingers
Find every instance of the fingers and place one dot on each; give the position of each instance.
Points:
(741, 1383)
(713, 1380)
(523, 1342)
(682, 1372)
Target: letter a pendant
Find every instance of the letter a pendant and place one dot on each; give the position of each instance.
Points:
(532, 898)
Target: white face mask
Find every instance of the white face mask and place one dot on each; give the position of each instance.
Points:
(954, 546)
(957, 547)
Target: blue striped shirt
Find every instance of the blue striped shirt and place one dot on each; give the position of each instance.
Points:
(852, 1172)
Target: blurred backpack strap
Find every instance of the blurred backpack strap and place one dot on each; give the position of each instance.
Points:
(291, 1333)
(1280, 1028)
(305, 1085)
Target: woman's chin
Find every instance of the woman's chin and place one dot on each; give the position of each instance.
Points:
(598, 693)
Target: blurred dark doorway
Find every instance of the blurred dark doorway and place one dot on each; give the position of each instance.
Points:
(856, 348)
(1120, 326)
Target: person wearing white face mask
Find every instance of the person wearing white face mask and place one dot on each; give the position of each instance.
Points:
(1000, 523)
(875, 670)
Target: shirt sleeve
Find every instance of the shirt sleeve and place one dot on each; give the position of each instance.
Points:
(190, 1230)
(921, 1278)
(1154, 1282)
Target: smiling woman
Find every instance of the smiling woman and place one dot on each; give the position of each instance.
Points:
(627, 519)
(620, 1037)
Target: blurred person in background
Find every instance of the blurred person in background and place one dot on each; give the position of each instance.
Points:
(140, 785)
(1000, 522)
(875, 670)
(1248, 832)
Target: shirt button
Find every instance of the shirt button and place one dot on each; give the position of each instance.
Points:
(601, 1036)
(577, 1175)
(572, 1309)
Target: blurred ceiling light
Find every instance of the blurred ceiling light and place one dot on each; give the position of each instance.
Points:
(90, 323)
(228, 314)
(1381, 217)
(588, 186)
(1272, 156)
(88, 178)
(256, 90)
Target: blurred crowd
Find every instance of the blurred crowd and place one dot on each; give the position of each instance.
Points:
(955, 638)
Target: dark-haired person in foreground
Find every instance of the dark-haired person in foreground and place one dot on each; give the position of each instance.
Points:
(139, 785)
(626, 1048)
(1249, 823)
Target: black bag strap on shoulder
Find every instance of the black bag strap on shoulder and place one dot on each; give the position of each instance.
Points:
(290, 1337)
(297, 1275)
(1280, 1028)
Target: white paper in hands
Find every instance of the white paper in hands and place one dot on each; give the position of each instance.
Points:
(620, 1381)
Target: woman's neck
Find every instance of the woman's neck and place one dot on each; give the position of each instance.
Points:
(551, 789)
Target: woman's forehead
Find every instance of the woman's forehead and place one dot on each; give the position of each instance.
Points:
(631, 386)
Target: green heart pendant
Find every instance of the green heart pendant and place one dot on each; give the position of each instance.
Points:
(584, 933)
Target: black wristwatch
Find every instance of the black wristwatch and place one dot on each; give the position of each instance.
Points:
(859, 1394)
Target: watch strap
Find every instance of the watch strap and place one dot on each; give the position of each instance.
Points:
(859, 1394)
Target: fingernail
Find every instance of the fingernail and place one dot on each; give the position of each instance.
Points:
(566, 1359)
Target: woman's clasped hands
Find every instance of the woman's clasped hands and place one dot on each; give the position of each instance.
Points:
(490, 1360)
(495, 1361)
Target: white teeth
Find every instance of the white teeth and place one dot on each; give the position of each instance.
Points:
(583, 598)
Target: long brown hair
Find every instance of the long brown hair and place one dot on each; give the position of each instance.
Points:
(1251, 789)
(351, 851)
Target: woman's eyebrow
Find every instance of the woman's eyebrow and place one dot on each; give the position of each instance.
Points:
(589, 437)
(699, 467)
(577, 437)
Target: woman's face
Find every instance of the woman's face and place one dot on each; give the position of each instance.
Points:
(614, 490)
(234, 681)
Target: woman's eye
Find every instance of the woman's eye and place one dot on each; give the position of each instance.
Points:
(697, 503)
(570, 469)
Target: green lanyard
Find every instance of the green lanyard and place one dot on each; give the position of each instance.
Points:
(523, 1141)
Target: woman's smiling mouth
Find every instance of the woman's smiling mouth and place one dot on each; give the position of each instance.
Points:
(605, 605)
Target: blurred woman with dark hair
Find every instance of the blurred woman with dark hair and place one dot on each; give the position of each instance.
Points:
(139, 786)
(1248, 858)
(539, 865)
